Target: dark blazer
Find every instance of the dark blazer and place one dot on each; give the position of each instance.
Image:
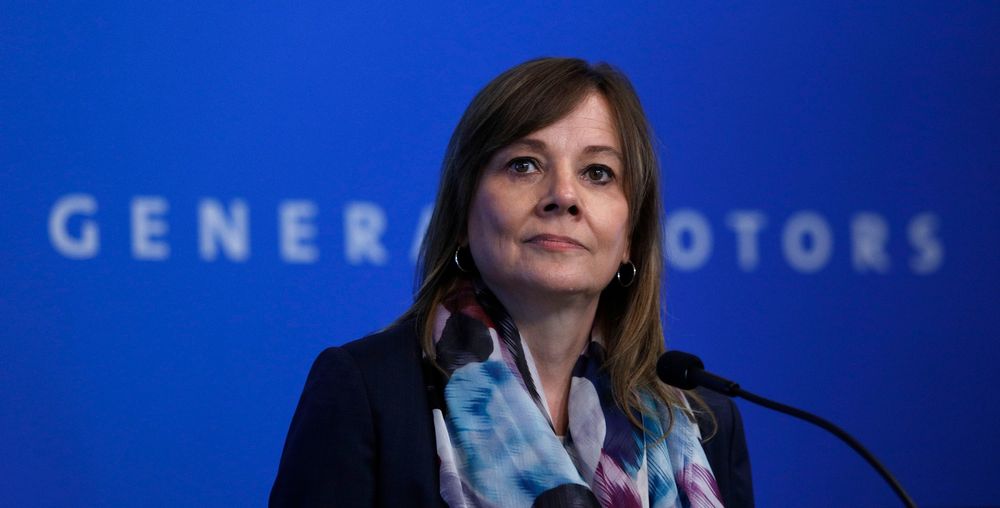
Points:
(362, 434)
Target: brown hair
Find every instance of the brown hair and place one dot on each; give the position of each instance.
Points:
(520, 101)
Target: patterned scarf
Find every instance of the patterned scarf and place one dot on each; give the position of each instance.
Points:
(496, 443)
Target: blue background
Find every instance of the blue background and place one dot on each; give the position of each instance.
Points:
(129, 382)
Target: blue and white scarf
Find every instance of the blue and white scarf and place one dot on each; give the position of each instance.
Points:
(496, 444)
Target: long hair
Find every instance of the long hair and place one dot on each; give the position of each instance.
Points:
(520, 101)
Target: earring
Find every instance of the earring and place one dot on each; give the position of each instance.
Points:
(626, 280)
(459, 263)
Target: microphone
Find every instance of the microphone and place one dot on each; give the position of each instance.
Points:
(687, 371)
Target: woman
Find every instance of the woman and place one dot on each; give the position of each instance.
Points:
(523, 374)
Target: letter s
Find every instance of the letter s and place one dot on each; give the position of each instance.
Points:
(929, 255)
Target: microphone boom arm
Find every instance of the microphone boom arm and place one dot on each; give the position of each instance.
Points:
(736, 391)
(687, 371)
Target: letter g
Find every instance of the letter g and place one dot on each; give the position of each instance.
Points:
(87, 244)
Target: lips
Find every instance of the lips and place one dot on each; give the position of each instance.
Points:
(555, 242)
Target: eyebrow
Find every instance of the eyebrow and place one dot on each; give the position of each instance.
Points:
(595, 149)
(539, 145)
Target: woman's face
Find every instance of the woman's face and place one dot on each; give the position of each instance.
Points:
(550, 214)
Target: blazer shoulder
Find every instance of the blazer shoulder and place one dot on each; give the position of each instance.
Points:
(395, 346)
(391, 365)
(726, 448)
(362, 434)
(329, 453)
(723, 410)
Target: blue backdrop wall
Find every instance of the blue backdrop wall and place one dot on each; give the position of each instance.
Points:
(196, 199)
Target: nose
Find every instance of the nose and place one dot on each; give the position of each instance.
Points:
(561, 194)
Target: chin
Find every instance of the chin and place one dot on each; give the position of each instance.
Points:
(567, 284)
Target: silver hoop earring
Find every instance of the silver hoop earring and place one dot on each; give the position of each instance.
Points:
(459, 263)
(627, 280)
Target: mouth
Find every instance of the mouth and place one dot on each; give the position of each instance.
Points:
(555, 242)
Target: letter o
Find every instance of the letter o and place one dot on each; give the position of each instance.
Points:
(696, 253)
(802, 225)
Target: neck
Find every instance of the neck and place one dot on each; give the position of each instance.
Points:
(555, 329)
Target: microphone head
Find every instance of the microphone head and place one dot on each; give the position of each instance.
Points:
(674, 368)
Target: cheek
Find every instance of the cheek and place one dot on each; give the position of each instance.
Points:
(495, 206)
(486, 222)
(615, 229)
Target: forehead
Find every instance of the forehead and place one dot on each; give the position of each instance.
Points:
(590, 122)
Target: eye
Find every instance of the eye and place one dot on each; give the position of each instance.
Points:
(523, 165)
(599, 173)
